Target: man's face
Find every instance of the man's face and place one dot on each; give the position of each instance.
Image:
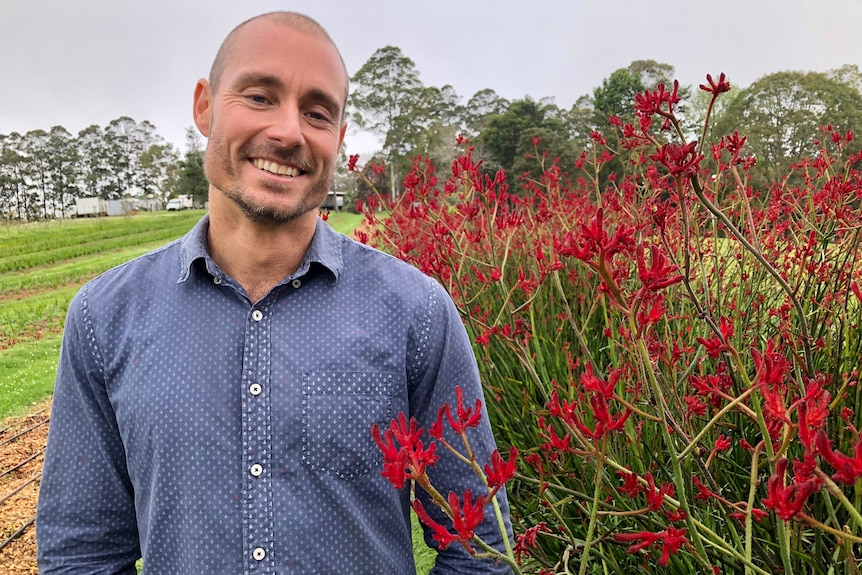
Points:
(274, 122)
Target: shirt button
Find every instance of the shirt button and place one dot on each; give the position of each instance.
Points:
(259, 553)
(296, 283)
(256, 469)
(255, 389)
(217, 281)
(257, 315)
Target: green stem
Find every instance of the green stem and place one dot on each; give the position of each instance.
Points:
(594, 510)
(749, 527)
(495, 555)
(838, 493)
(679, 476)
(501, 523)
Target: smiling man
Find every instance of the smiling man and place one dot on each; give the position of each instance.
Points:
(215, 397)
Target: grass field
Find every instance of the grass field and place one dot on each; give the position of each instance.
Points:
(42, 266)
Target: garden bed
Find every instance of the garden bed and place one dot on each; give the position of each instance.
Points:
(19, 488)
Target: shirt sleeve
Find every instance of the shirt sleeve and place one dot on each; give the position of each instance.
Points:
(445, 360)
(85, 519)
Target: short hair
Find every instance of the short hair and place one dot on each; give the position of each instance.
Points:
(294, 20)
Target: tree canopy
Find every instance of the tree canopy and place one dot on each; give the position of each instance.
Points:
(781, 114)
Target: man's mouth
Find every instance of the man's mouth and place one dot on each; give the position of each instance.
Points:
(275, 168)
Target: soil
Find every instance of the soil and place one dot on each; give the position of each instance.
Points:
(18, 556)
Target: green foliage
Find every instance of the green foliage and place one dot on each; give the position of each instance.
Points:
(504, 136)
(781, 114)
(616, 94)
(190, 179)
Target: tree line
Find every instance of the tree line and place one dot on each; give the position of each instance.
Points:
(780, 114)
(41, 173)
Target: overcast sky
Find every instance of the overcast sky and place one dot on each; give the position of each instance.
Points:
(81, 62)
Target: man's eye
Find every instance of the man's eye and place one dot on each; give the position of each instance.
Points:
(258, 99)
(318, 116)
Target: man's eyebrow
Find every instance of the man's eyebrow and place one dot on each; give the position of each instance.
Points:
(258, 79)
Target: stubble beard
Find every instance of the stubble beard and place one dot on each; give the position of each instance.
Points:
(259, 212)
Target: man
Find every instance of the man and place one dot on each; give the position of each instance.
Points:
(214, 398)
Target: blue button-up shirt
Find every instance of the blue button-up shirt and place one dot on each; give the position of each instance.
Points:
(210, 434)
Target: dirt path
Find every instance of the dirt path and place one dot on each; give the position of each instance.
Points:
(17, 511)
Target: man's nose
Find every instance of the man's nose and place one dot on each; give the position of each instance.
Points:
(285, 126)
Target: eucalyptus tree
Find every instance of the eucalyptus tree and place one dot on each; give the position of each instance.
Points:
(63, 161)
(38, 169)
(94, 168)
(120, 147)
(157, 170)
(126, 142)
(385, 99)
(848, 74)
(439, 122)
(13, 196)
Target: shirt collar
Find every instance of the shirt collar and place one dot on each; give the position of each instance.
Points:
(325, 249)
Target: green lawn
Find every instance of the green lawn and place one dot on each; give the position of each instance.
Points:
(27, 373)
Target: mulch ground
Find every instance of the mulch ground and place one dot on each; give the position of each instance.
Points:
(19, 488)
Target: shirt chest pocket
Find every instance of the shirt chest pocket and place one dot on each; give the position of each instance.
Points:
(338, 410)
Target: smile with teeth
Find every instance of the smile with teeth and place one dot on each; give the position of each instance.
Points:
(274, 168)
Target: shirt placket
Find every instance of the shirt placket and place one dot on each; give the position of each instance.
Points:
(258, 532)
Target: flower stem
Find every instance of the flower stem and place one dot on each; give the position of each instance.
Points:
(749, 523)
(600, 464)
(839, 495)
(679, 476)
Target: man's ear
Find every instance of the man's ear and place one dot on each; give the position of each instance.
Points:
(341, 135)
(203, 107)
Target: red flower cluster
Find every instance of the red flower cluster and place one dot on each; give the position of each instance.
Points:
(467, 416)
(671, 540)
(656, 270)
(465, 518)
(680, 160)
(716, 88)
(660, 274)
(600, 393)
(788, 500)
(848, 469)
(404, 456)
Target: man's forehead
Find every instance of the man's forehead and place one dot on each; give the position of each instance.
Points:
(267, 34)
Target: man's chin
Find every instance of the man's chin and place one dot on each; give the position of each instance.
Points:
(269, 215)
(273, 215)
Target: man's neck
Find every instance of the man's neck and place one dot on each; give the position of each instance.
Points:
(258, 256)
